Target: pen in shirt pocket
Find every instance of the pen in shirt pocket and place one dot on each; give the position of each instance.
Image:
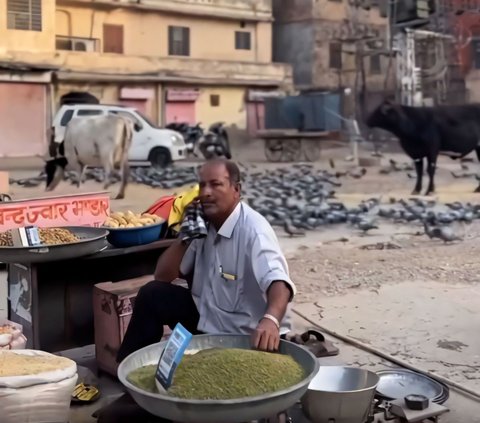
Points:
(227, 276)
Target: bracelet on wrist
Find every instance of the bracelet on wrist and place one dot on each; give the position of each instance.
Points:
(273, 319)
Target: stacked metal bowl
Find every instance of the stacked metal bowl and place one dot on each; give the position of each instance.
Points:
(398, 383)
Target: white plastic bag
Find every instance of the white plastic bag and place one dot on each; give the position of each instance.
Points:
(11, 336)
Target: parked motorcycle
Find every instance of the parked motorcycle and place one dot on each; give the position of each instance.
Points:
(191, 133)
(215, 142)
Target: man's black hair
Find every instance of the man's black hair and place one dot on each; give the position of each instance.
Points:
(232, 169)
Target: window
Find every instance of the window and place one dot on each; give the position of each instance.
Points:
(476, 53)
(375, 64)
(24, 15)
(137, 124)
(178, 41)
(89, 112)
(335, 56)
(214, 100)
(113, 38)
(243, 40)
(67, 117)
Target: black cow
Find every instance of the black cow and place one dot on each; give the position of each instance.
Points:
(426, 132)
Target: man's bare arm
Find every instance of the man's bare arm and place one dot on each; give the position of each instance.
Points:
(266, 336)
(168, 265)
(279, 295)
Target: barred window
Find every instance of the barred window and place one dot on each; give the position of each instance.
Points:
(24, 15)
(335, 61)
(178, 41)
(243, 40)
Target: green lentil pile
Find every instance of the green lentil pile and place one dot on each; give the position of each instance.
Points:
(225, 373)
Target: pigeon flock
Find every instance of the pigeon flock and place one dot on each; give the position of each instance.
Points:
(167, 178)
(302, 198)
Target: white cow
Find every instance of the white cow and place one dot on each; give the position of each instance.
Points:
(96, 141)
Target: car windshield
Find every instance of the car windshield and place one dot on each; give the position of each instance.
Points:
(146, 119)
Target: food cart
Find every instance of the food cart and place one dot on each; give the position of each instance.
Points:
(50, 289)
(290, 145)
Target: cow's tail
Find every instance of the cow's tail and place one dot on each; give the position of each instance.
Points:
(127, 141)
(125, 147)
(121, 153)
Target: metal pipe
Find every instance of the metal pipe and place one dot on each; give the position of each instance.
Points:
(69, 17)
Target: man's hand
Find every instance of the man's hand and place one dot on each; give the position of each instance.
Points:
(266, 337)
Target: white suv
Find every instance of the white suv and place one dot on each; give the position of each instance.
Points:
(150, 143)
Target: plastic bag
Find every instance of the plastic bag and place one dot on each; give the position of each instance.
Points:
(11, 336)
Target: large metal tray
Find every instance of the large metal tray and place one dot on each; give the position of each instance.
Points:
(398, 383)
(202, 411)
(91, 241)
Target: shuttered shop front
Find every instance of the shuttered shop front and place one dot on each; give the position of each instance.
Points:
(23, 119)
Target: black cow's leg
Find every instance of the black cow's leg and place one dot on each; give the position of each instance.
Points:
(431, 166)
(419, 170)
(477, 150)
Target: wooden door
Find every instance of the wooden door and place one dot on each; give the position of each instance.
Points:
(113, 38)
(255, 117)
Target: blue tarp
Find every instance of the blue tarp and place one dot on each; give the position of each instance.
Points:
(306, 112)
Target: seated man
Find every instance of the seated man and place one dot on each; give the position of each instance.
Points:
(238, 277)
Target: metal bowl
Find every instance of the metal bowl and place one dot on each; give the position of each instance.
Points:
(398, 383)
(340, 395)
(91, 241)
(220, 411)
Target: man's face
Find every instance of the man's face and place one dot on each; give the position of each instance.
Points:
(218, 195)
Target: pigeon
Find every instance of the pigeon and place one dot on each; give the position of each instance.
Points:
(463, 174)
(366, 226)
(400, 167)
(292, 230)
(357, 173)
(385, 171)
(445, 233)
(457, 205)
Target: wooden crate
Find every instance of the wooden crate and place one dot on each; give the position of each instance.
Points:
(113, 305)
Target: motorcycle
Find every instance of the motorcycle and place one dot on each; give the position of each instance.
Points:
(191, 134)
(215, 142)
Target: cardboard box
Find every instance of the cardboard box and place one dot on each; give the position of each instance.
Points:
(113, 305)
(4, 182)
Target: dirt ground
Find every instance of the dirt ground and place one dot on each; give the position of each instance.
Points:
(324, 266)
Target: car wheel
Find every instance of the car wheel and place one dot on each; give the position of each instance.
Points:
(160, 158)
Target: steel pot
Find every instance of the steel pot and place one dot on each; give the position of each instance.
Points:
(340, 395)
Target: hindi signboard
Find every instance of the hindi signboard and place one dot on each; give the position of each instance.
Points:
(90, 209)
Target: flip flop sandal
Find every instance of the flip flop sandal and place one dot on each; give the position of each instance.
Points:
(316, 343)
(85, 394)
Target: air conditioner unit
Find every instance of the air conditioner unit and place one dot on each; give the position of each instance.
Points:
(83, 45)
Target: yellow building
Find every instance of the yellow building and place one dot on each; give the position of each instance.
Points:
(174, 60)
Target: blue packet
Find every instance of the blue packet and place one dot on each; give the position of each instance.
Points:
(27, 236)
(171, 356)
